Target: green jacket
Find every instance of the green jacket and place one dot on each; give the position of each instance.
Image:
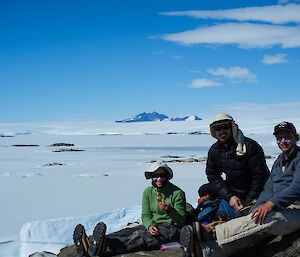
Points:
(152, 214)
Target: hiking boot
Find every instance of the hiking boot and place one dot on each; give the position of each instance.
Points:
(197, 230)
(187, 240)
(81, 241)
(97, 240)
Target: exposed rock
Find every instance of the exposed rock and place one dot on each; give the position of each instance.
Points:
(171, 156)
(198, 133)
(181, 159)
(3, 135)
(172, 133)
(43, 254)
(26, 145)
(62, 144)
(53, 164)
(110, 134)
(68, 150)
(71, 252)
(187, 160)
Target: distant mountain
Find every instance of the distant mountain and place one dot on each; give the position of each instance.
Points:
(154, 116)
(186, 118)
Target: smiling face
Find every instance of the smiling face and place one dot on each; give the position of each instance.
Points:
(223, 132)
(160, 178)
(285, 141)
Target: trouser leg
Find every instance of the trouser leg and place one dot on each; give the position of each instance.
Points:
(243, 232)
(139, 239)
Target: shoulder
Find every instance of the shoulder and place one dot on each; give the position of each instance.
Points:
(298, 152)
(252, 145)
(277, 161)
(214, 148)
(148, 190)
(296, 159)
(175, 188)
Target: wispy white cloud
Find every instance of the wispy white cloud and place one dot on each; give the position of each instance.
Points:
(278, 14)
(202, 82)
(236, 74)
(283, 1)
(274, 59)
(245, 35)
(288, 1)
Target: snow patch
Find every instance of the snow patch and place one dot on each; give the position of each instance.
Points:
(90, 175)
(53, 234)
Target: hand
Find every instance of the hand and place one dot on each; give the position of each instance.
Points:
(261, 211)
(153, 230)
(164, 206)
(236, 203)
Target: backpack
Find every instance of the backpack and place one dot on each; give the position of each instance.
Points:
(215, 210)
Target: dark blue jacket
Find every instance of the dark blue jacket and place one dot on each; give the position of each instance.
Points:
(283, 188)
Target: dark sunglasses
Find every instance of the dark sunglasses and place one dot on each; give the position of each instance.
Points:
(218, 128)
(156, 177)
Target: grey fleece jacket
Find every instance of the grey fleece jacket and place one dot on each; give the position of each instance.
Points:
(283, 187)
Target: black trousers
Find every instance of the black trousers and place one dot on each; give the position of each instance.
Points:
(139, 239)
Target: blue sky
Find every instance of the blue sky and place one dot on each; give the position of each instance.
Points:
(108, 59)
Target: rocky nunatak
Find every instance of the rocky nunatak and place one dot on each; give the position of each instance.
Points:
(65, 147)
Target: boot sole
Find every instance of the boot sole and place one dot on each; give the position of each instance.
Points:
(97, 240)
(78, 234)
(187, 241)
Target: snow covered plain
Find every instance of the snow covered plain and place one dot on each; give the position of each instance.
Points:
(92, 184)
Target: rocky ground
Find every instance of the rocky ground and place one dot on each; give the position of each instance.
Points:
(71, 252)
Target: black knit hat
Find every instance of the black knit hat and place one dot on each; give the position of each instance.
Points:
(285, 126)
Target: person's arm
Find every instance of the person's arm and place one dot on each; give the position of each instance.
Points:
(178, 209)
(147, 216)
(258, 170)
(266, 194)
(291, 193)
(263, 204)
(214, 177)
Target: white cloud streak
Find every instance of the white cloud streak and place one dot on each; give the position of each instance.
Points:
(236, 74)
(288, 1)
(201, 83)
(278, 14)
(245, 35)
(274, 59)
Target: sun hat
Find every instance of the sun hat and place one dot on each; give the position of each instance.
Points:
(153, 170)
(286, 126)
(220, 118)
(237, 134)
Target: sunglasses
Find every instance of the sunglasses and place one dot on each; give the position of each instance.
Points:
(218, 128)
(159, 178)
(284, 139)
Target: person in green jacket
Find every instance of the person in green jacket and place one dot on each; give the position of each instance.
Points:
(163, 215)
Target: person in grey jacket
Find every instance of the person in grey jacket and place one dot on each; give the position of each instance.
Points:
(276, 212)
(283, 186)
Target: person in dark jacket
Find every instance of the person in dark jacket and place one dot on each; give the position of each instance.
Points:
(242, 161)
(163, 215)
